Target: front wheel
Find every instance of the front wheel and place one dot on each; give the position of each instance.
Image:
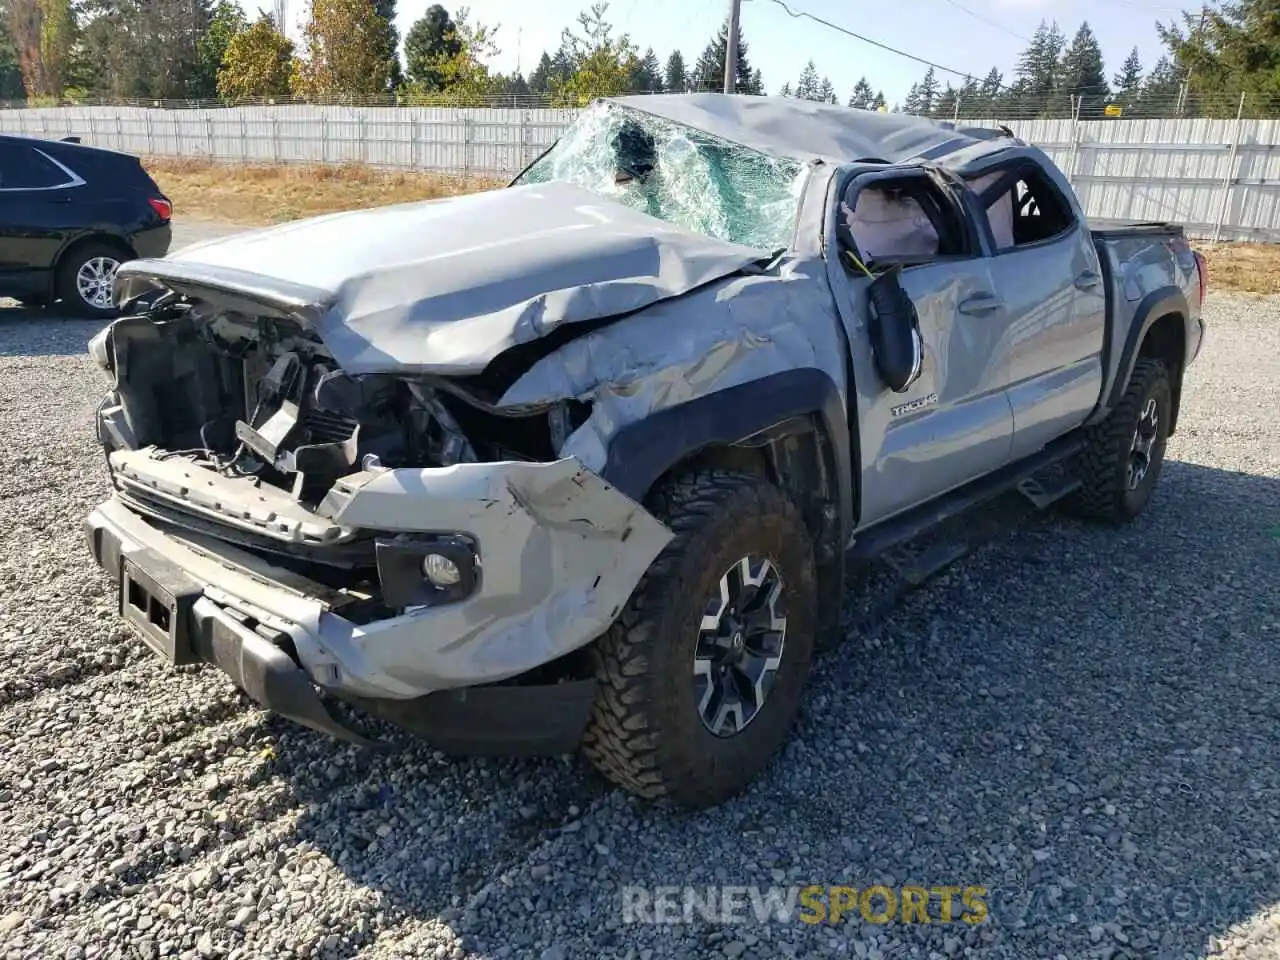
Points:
(702, 673)
(1120, 465)
(86, 278)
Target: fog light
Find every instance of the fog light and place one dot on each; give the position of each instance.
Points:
(440, 570)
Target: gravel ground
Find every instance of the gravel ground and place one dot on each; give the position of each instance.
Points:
(1083, 721)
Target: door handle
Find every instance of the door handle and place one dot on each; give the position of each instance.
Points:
(979, 304)
(1087, 280)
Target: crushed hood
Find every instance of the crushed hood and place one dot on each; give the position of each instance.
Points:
(445, 286)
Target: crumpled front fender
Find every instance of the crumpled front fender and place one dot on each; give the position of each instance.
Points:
(560, 552)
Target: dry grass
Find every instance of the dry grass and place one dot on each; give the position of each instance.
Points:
(1243, 267)
(265, 194)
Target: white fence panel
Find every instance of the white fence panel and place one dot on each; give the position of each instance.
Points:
(1217, 177)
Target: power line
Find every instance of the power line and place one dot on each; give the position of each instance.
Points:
(963, 74)
(991, 23)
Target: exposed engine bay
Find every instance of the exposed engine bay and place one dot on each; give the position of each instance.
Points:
(259, 400)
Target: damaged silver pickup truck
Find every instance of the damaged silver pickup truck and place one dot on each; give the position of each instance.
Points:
(581, 462)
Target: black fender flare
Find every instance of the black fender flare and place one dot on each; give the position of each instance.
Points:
(1160, 302)
(643, 451)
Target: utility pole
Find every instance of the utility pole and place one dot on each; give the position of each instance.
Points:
(731, 49)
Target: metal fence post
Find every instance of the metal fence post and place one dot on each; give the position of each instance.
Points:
(324, 136)
(151, 134)
(1074, 152)
(415, 138)
(275, 139)
(119, 133)
(177, 135)
(208, 129)
(466, 146)
(244, 136)
(1229, 177)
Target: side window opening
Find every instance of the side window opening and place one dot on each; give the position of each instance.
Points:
(904, 222)
(1023, 207)
(25, 168)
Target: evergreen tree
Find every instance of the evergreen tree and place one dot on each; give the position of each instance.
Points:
(928, 93)
(432, 37)
(862, 95)
(227, 22)
(786, 90)
(913, 103)
(675, 78)
(1237, 50)
(1037, 73)
(1128, 82)
(708, 72)
(646, 76)
(540, 79)
(1081, 74)
(879, 103)
(807, 86)
(390, 43)
(826, 92)
(1158, 96)
(10, 72)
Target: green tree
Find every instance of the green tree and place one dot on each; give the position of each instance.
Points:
(1128, 83)
(257, 64)
(708, 71)
(862, 95)
(540, 79)
(1160, 90)
(464, 76)
(826, 91)
(1036, 74)
(225, 22)
(1232, 49)
(929, 91)
(345, 43)
(432, 38)
(602, 64)
(1081, 74)
(646, 77)
(389, 47)
(10, 73)
(675, 78)
(786, 90)
(42, 33)
(879, 103)
(808, 84)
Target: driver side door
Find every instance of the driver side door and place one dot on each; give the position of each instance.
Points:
(954, 423)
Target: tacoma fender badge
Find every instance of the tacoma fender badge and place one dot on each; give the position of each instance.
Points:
(902, 409)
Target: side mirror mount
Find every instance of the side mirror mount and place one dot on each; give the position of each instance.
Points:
(895, 332)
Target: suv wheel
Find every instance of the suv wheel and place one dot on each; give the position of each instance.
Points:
(85, 279)
(702, 673)
(1121, 464)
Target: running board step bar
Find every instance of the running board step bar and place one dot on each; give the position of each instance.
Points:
(895, 531)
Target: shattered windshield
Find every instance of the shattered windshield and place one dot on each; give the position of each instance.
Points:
(678, 174)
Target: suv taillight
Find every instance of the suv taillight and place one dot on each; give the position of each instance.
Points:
(1202, 267)
(161, 206)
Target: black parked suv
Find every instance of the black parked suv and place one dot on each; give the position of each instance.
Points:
(69, 216)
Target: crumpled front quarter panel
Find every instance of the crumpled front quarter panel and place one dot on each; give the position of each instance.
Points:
(729, 333)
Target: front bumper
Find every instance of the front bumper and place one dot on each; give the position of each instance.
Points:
(438, 671)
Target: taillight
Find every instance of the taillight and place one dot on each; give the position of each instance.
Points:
(161, 206)
(1202, 267)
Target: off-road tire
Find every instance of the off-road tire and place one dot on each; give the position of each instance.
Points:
(645, 732)
(1104, 494)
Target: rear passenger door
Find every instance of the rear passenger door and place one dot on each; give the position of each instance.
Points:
(36, 209)
(1047, 274)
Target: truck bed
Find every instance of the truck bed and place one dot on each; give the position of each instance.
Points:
(1118, 229)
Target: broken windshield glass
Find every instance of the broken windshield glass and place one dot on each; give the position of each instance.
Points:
(678, 174)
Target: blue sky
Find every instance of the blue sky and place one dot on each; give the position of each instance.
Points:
(937, 30)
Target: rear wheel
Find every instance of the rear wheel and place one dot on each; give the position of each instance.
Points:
(1120, 466)
(701, 675)
(86, 277)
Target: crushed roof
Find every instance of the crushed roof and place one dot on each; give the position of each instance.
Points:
(805, 130)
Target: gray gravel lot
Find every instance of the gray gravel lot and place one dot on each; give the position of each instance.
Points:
(1084, 721)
